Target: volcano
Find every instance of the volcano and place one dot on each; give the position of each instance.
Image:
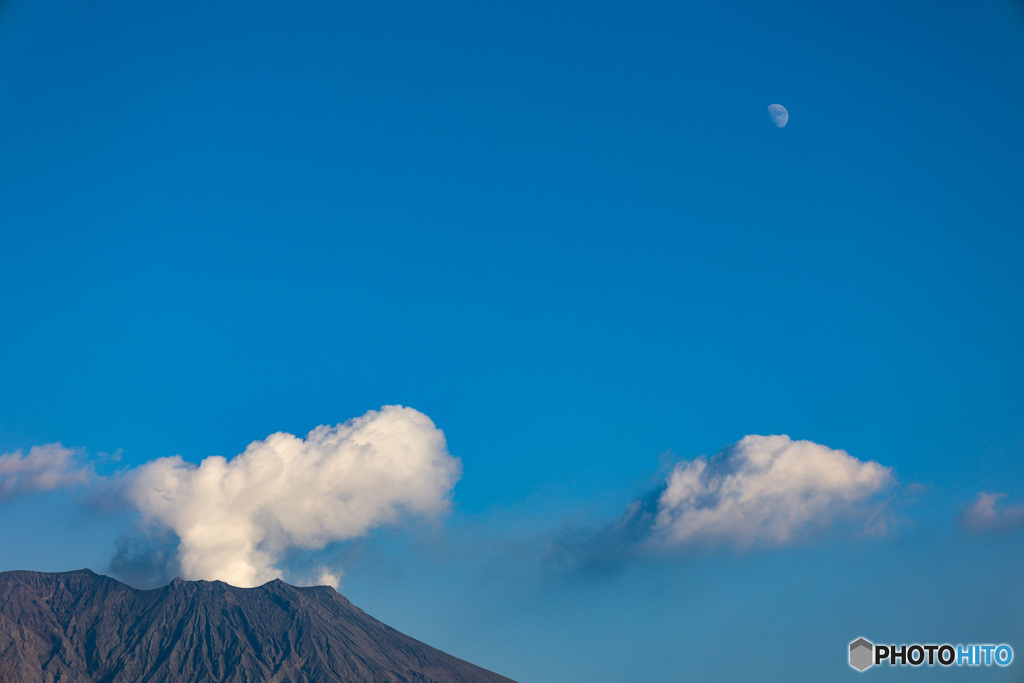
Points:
(80, 627)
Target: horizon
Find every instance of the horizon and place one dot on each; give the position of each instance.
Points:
(648, 339)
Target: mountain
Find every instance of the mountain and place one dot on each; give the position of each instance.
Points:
(80, 627)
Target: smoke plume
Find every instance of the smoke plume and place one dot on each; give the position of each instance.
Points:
(236, 518)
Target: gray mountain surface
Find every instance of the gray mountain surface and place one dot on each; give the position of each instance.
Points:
(80, 627)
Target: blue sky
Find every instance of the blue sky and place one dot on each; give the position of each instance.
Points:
(570, 235)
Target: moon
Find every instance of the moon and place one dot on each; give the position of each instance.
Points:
(778, 115)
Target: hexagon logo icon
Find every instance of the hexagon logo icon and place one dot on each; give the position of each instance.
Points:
(862, 653)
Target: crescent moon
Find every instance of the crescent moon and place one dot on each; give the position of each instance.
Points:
(778, 114)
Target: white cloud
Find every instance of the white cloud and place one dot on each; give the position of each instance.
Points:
(45, 468)
(328, 577)
(236, 518)
(987, 514)
(762, 490)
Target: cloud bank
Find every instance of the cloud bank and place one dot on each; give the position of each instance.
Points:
(763, 491)
(236, 518)
(45, 468)
(987, 515)
(246, 519)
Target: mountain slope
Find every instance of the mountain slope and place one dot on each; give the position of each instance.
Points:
(80, 627)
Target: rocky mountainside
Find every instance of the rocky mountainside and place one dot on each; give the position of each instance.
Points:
(80, 627)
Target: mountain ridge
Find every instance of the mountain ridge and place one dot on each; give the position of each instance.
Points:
(79, 626)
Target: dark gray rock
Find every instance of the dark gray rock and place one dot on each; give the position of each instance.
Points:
(80, 627)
